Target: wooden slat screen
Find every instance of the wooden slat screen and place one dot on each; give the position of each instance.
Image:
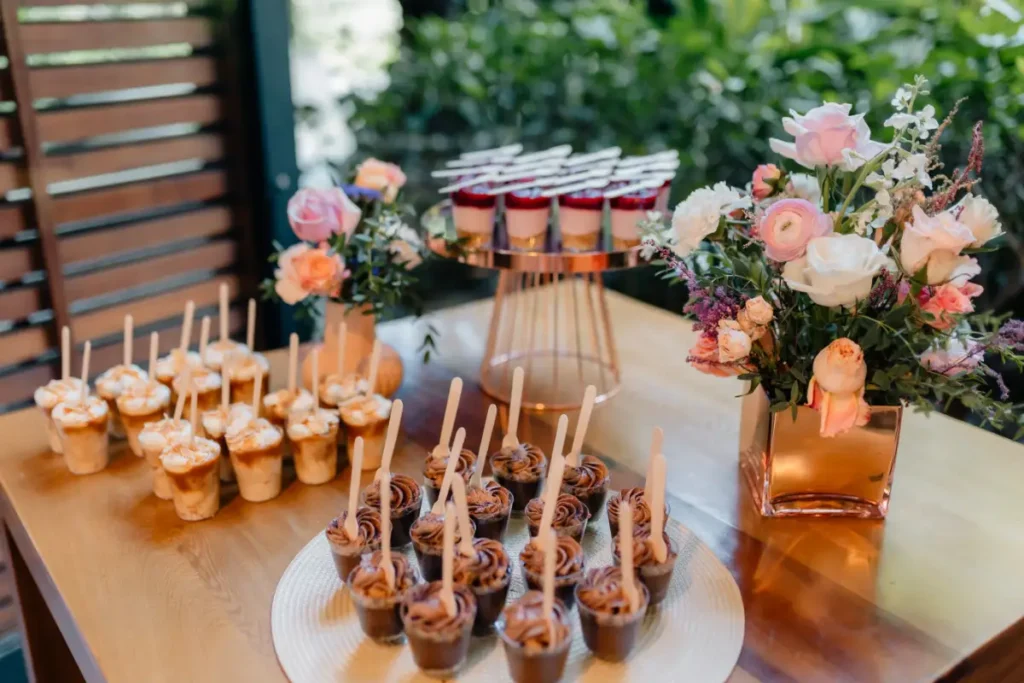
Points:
(120, 182)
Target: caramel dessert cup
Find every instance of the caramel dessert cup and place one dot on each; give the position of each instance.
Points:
(215, 425)
(610, 627)
(83, 429)
(193, 469)
(221, 350)
(570, 518)
(367, 416)
(172, 365)
(405, 499)
(427, 535)
(336, 389)
(378, 605)
(520, 469)
(112, 384)
(535, 651)
(257, 451)
(48, 396)
(490, 507)
(347, 552)
(244, 370)
(154, 439)
(433, 473)
(488, 573)
(278, 405)
(139, 404)
(439, 643)
(588, 481)
(314, 438)
(569, 566)
(206, 385)
(657, 576)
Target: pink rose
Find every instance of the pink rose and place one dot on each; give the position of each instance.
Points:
(303, 270)
(386, 178)
(766, 180)
(788, 225)
(836, 389)
(933, 243)
(705, 357)
(947, 301)
(955, 358)
(316, 214)
(827, 136)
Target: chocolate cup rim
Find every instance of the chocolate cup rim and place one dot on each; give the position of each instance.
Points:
(487, 591)
(586, 490)
(362, 550)
(499, 627)
(564, 580)
(615, 620)
(652, 569)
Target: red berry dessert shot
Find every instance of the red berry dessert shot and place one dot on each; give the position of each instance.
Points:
(627, 211)
(526, 219)
(579, 218)
(473, 211)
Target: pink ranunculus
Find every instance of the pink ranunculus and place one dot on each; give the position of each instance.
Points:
(953, 358)
(836, 389)
(766, 180)
(788, 225)
(315, 214)
(827, 136)
(303, 270)
(704, 356)
(386, 178)
(944, 303)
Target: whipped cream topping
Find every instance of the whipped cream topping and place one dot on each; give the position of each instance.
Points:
(76, 413)
(364, 410)
(336, 389)
(527, 624)
(144, 398)
(182, 457)
(369, 580)
(602, 592)
(423, 610)
(57, 390)
(524, 462)
(569, 512)
(158, 435)
(201, 379)
(367, 530)
(488, 501)
(216, 421)
(247, 367)
(317, 422)
(486, 569)
(218, 351)
(117, 379)
(569, 560)
(252, 435)
(282, 402)
(174, 362)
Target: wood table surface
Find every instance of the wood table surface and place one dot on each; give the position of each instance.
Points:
(935, 591)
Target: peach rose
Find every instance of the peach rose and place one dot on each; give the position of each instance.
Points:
(947, 301)
(836, 389)
(303, 270)
(787, 227)
(733, 343)
(934, 243)
(315, 214)
(386, 178)
(754, 317)
(766, 181)
(705, 357)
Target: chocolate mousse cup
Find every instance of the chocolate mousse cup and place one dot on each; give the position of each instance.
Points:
(377, 606)
(439, 643)
(609, 633)
(520, 470)
(588, 482)
(427, 541)
(433, 473)
(348, 553)
(657, 576)
(488, 574)
(406, 499)
(490, 508)
(568, 573)
(570, 518)
(641, 512)
(533, 661)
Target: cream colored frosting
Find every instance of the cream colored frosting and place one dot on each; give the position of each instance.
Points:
(248, 367)
(336, 389)
(75, 413)
(181, 457)
(282, 402)
(174, 362)
(201, 379)
(216, 421)
(57, 390)
(252, 435)
(143, 398)
(318, 422)
(117, 379)
(364, 410)
(218, 351)
(157, 435)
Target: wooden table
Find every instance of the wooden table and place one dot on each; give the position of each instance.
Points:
(935, 591)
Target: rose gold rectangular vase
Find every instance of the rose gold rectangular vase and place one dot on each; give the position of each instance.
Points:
(793, 471)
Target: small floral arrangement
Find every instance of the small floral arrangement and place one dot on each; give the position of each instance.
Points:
(849, 285)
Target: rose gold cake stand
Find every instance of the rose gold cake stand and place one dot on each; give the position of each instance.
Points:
(550, 317)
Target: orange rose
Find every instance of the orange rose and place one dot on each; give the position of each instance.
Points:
(386, 178)
(303, 270)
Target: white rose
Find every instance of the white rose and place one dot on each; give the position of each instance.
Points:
(803, 186)
(837, 270)
(981, 218)
(733, 343)
(935, 242)
(699, 214)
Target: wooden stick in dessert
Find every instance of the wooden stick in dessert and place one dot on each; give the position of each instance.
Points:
(225, 388)
(553, 485)
(351, 526)
(573, 459)
(223, 319)
(186, 327)
(186, 381)
(257, 389)
(510, 440)
(449, 471)
(154, 352)
(86, 352)
(657, 504)
(657, 441)
(462, 509)
(467, 182)
(126, 358)
(193, 414)
(448, 424)
(316, 375)
(594, 184)
(250, 326)
(549, 580)
(394, 423)
(385, 529)
(371, 382)
(293, 362)
(339, 360)
(485, 442)
(204, 335)
(65, 353)
(447, 561)
(626, 555)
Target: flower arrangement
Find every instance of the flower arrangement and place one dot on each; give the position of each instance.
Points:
(849, 283)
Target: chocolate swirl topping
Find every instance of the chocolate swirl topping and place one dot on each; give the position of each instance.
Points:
(367, 525)
(428, 531)
(488, 501)
(369, 581)
(568, 562)
(591, 473)
(423, 610)
(433, 468)
(643, 551)
(569, 512)
(526, 623)
(601, 591)
(641, 511)
(524, 462)
(485, 569)
(405, 494)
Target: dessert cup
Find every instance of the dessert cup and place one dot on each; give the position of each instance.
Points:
(569, 566)
(579, 220)
(657, 576)
(222, 349)
(347, 552)
(171, 365)
(609, 628)
(215, 425)
(257, 451)
(533, 655)
(377, 604)
(433, 473)
(489, 507)
(314, 437)
(488, 573)
(367, 416)
(627, 211)
(406, 499)
(526, 219)
(244, 370)
(473, 214)
(427, 535)
(588, 481)
(641, 511)
(520, 470)
(206, 384)
(140, 404)
(661, 203)
(154, 438)
(439, 643)
(83, 430)
(112, 384)
(193, 470)
(336, 389)
(278, 405)
(570, 518)
(48, 396)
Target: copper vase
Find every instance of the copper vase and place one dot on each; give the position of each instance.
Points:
(793, 471)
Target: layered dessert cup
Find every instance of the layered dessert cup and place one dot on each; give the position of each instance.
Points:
(48, 396)
(379, 605)
(314, 437)
(520, 469)
(83, 425)
(588, 481)
(336, 389)
(570, 517)
(535, 648)
(348, 552)
(194, 472)
(172, 365)
(579, 219)
(434, 469)
(487, 573)
(610, 626)
(205, 383)
(278, 405)
(627, 211)
(427, 535)
(156, 437)
(526, 219)
(439, 642)
(473, 213)
(256, 448)
(112, 384)
(569, 566)
(215, 425)
(641, 510)
(222, 349)
(139, 404)
(243, 371)
(489, 507)
(657, 576)
(366, 416)
(406, 498)
(661, 203)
